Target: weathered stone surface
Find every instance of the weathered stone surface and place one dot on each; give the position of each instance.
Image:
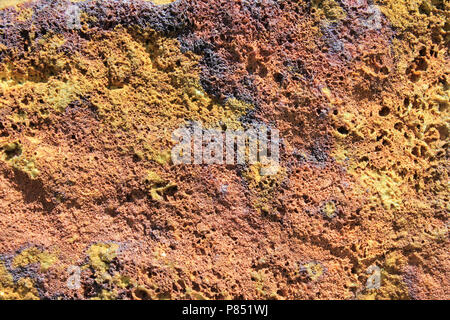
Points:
(91, 91)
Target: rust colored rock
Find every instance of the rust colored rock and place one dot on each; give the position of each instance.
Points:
(93, 206)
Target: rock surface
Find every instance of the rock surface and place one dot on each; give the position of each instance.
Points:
(91, 206)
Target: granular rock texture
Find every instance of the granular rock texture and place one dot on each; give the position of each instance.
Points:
(92, 207)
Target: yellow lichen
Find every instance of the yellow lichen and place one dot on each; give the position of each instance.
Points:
(34, 255)
(13, 155)
(23, 289)
(385, 185)
(10, 3)
(157, 186)
(330, 8)
(404, 14)
(329, 209)
(162, 158)
(100, 256)
(314, 270)
(264, 187)
(106, 295)
(25, 14)
(161, 2)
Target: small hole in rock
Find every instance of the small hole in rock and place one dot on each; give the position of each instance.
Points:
(384, 111)
(343, 130)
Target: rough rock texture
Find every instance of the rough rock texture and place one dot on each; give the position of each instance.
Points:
(359, 90)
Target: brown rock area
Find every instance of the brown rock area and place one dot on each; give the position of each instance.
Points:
(93, 207)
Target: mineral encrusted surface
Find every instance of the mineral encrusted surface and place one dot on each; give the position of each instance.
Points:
(92, 207)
